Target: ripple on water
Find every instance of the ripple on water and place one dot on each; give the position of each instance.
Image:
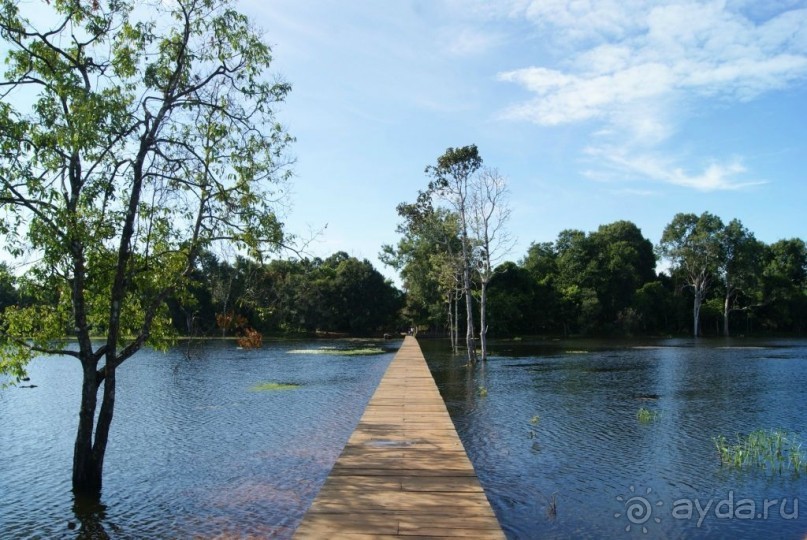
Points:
(193, 453)
(587, 446)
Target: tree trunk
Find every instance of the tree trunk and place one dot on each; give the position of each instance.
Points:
(86, 470)
(456, 334)
(89, 452)
(470, 340)
(696, 313)
(449, 302)
(483, 319)
(726, 312)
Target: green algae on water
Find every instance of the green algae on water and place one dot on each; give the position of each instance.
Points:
(272, 386)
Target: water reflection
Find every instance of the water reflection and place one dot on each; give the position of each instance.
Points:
(90, 515)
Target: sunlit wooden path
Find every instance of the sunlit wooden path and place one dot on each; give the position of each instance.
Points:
(404, 471)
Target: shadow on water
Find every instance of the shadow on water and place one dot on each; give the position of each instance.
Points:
(90, 516)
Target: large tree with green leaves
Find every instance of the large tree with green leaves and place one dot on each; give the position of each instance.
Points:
(783, 294)
(428, 259)
(693, 246)
(739, 268)
(622, 262)
(133, 135)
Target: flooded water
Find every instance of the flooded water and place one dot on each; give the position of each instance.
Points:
(552, 430)
(196, 451)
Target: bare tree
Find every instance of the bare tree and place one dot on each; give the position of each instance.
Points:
(489, 213)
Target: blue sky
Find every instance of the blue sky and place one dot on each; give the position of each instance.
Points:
(595, 111)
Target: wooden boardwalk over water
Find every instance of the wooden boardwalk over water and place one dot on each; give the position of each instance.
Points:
(404, 471)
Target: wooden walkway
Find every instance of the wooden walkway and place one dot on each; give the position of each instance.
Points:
(404, 471)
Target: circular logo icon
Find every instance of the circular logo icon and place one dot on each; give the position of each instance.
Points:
(638, 509)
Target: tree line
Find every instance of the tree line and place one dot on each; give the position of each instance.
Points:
(338, 294)
(717, 279)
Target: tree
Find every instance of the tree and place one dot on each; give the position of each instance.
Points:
(519, 301)
(8, 289)
(427, 258)
(359, 300)
(574, 254)
(489, 214)
(451, 179)
(692, 244)
(622, 262)
(134, 144)
(784, 285)
(541, 262)
(739, 266)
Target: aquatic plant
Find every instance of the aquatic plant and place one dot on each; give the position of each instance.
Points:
(533, 431)
(775, 450)
(645, 415)
(552, 507)
(268, 386)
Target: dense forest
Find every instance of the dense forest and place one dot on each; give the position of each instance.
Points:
(338, 294)
(599, 283)
(605, 282)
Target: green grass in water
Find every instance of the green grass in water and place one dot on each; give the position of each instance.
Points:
(270, 386)
(774, 450)
(332, 351)
(647, 415)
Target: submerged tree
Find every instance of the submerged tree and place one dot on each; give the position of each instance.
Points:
(127, 147)
(489, 214)
(451, 182)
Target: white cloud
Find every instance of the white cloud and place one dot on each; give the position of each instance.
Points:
(635, 65)
(686, 48)
(652, 167)
(583, 20)
(566, 98)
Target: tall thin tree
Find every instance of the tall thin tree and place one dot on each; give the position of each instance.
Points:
(490, 213)
(451, 182)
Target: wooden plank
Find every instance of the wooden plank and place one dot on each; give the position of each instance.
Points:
(404, 471)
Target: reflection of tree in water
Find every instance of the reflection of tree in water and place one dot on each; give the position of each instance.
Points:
(90, 515)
